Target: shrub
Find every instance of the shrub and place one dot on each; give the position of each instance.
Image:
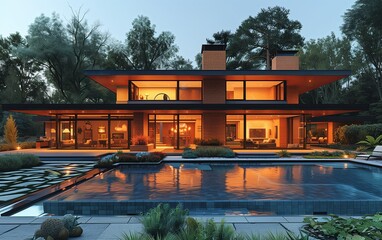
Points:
(140, 140)
(54, 228)
(163, 219)
(210, 142)
(5, 147)
(208, 151)
(351, 134)
(161, 155)
(70, 222)
(326, 154)
(10, 132)
(189, 153)
(212, 151)
(334, 227)
(107, 161)
(283, 153)
(126, 157)
(370, 141)
(12, 162)
(27, 145)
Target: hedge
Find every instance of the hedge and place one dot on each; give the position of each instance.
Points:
(351, 134)
(12, 162)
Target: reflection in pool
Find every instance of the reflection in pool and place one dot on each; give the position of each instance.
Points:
(189, 181)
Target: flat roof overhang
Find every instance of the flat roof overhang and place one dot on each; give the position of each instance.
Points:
(184, 108)
(302, 80)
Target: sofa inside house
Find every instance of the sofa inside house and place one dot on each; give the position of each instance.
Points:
(261, 144)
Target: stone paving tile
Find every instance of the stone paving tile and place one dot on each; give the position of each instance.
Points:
(115, 231)
(261, 229)
(295, 219)
(109, 220)
(16, 220)
(6, 228)
(20, 232)
(135, 220)
(257, 219)
(293, 227)
(10, 197)
(218, 219)
(92, 231)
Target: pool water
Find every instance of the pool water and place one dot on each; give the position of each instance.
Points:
(213, 181)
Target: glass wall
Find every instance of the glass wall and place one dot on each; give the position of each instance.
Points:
(317, 133)
(265, 131)
(87, 132)
(165, 90)
(255, 90)
(234, 131)
(166, 131)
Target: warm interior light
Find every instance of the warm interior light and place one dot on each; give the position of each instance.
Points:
(66, 130)
(52, 130)
(122, 128)
(101, 129)
(18, 148)
(183, 128)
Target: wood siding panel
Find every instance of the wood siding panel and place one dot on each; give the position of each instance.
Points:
(214, 91)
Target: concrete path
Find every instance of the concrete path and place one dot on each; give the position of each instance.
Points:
(113, 227)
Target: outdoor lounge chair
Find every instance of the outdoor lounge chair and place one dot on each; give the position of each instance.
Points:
(377, 153)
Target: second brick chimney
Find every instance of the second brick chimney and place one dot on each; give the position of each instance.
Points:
(286, 60)
(213, 57)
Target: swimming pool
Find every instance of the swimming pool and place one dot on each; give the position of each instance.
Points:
(279, 188)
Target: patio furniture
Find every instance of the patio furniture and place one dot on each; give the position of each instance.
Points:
(377, 153)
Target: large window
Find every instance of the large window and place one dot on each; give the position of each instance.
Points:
(174, 131)
(256, 90)
(165, 90)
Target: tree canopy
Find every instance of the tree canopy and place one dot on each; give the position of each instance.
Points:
(260, 37)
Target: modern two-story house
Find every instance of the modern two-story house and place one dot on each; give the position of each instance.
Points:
(243, 109)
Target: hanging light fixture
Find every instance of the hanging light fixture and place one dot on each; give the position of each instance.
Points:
(120, 128)
(183, 128)
(101, 129)
(66, 130)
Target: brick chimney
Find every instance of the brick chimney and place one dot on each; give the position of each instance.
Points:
(286, 60)
(213, 57)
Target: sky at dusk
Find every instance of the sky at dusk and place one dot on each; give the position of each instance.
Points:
(190, 21)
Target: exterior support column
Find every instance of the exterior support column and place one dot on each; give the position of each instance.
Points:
(213, 125)
(75, 132)
(57, 130)
(108, 132)
(140, 124)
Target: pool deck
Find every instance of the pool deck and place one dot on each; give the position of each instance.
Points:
(107, 228)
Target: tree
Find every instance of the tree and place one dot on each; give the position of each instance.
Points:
(10, 132)
(22, 82)
(260, 37)
(329, 53)
(362, 23)
(142, 49)
(65, 52)
(180, 63)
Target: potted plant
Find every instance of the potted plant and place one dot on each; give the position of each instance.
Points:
(141, 143)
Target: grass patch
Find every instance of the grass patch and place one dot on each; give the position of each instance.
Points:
(321, 157)
(12, 162)
(329, 155)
